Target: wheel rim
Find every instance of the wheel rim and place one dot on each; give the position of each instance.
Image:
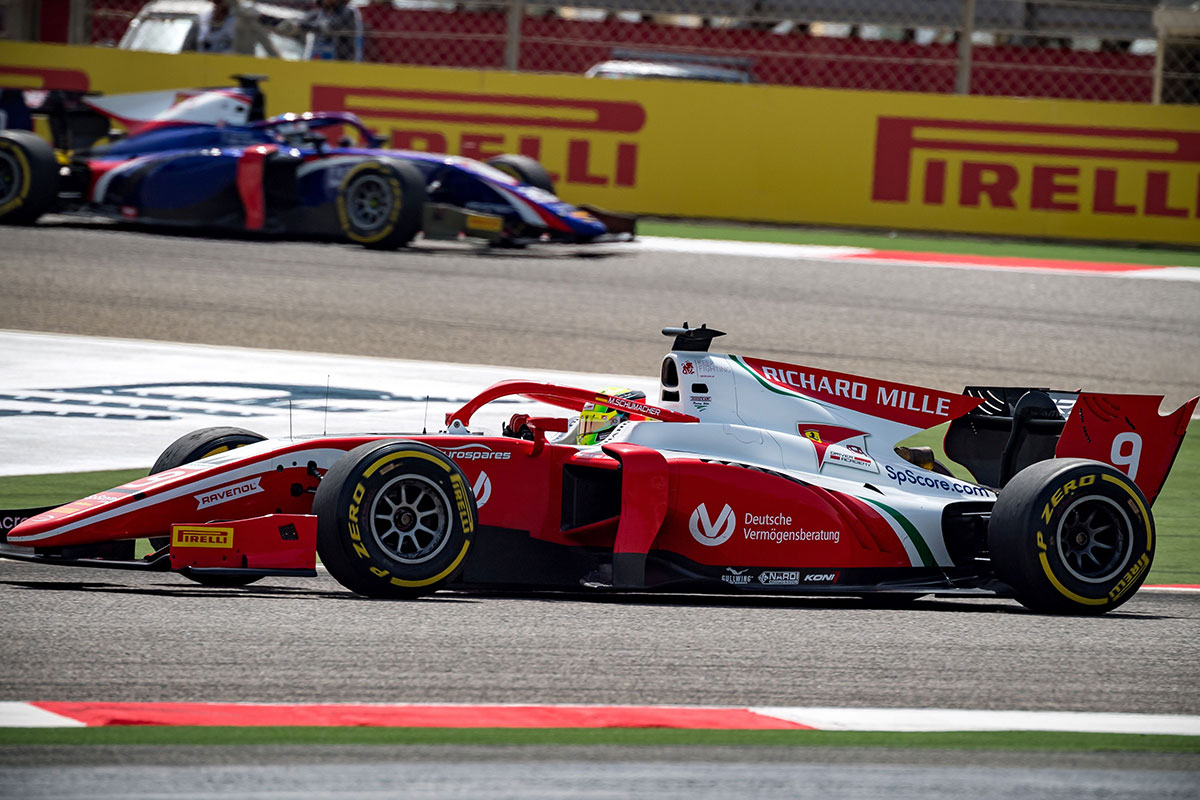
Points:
(410, 519)
(369, 202)
(1094, 539)
(10, 177)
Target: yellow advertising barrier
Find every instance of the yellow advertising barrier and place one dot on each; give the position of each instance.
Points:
(1069, 169)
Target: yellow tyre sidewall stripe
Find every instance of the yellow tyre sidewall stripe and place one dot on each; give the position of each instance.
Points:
(1092, 601)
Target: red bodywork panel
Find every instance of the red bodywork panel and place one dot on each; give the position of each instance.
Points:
(724, 514)
(711, 513)
(250, 184)
(275, 541)
(1127, 431)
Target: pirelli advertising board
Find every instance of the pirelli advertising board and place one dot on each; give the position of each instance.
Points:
(1069, 169)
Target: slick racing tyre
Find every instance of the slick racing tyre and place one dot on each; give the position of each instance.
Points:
(193, 447)
(1071, 536)
(28, 177)
(380, 203)
(524, 169)
(394, 519)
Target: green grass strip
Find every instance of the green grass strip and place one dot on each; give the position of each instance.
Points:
(31, 491)
(1152, 256)
(542, 737)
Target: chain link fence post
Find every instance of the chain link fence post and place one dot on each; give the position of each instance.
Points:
(79, 31)
(1177, 60)
(512, 34)
(962, 75)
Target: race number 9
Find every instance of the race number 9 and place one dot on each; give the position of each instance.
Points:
(1130, 457)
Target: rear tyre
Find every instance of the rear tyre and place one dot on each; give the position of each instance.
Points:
(380, 203)
(28, 177)
(524, 169)
(193, 447)
(1071, 536)
(395, 519)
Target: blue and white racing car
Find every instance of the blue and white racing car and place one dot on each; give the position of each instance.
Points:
(210, 159)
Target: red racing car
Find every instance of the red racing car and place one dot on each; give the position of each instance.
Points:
(747, 476)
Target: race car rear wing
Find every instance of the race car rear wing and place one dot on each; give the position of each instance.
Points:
(76, 124)
(1016, 427)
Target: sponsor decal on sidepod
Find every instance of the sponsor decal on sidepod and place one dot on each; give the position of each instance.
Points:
(711, 532)
(779, 534)
(932, 480)
(708, 532)
(736, 577)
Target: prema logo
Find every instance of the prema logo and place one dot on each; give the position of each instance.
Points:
(482, 125)
(707, 532)
(1117, 171)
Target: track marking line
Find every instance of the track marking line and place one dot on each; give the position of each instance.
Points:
(903, 258)
(28, 715)
(943, 719)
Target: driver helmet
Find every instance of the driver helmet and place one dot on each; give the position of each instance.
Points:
(597, 421)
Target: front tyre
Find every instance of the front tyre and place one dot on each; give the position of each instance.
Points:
(1071, 536)
(380, 203)
(525, 169)
(193, 447)
(395, 519)
(28, 177)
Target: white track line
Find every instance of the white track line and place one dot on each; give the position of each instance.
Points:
(25, 715)
(944, 719)
(861, 255)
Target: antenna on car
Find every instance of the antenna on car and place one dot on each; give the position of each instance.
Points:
(425, 422)
(695, 340)
(249, 83)
(325, 427)
(290, 436)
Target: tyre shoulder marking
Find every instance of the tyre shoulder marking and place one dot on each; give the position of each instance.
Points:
(1141, 508)
(427, 581)
(371, 470)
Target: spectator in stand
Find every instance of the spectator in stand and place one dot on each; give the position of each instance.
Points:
(216, 28)
(337, 31)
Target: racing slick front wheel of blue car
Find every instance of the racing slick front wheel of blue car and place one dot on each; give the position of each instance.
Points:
(524, 169)
(28, 177)
(395, 519)
(1071, 536)
(193, 447)
(380, 203)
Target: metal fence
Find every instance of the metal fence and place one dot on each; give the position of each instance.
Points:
(1118, 50)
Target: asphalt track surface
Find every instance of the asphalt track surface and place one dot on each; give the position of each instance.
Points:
(76, 635)
(559, 309)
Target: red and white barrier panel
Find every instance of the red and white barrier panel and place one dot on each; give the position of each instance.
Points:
(55, 714)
